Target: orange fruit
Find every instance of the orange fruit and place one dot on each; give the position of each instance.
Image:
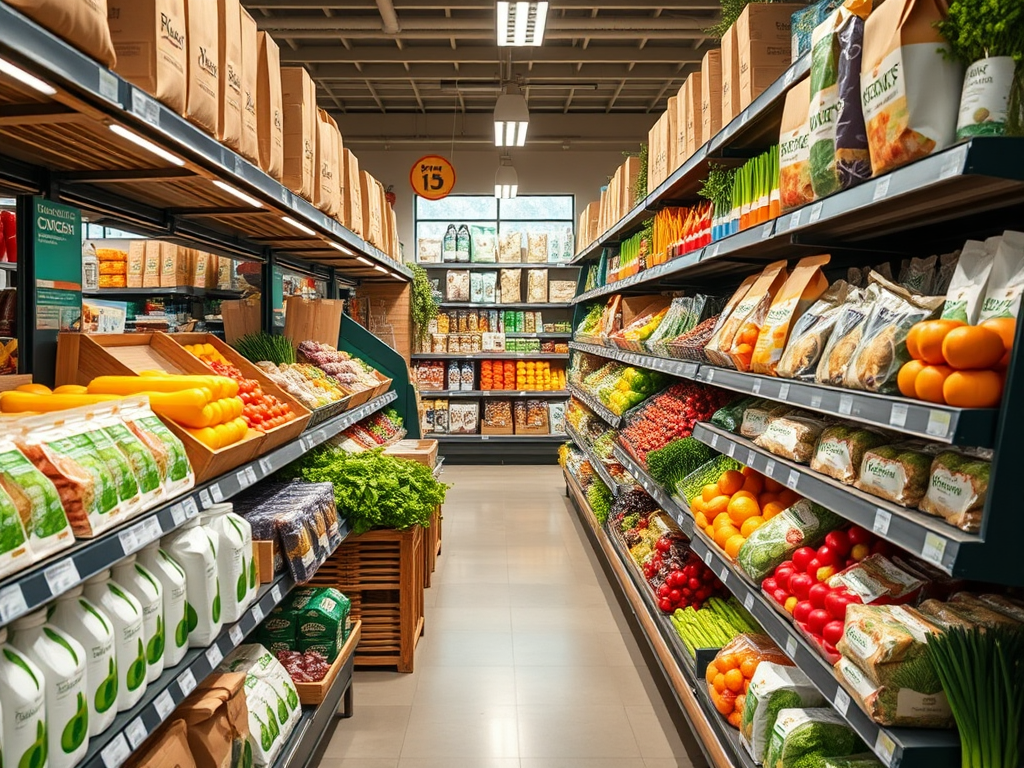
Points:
(730, 482)
(741, 701)
(771, 509)
(907, 377)
(972, 348)
(745, 495)
(742, 508)
(930, 335)
(709, 491)
(751, 524)
(747, 471)
(723, 534)
(710, 673)
(716, 506)
(698, 506)
(754, 484)
(733, 545)
(701, 519)
(735, 719)
(726, 661)
(928, 384)
(788, 497)
(710, 531)
(734, 680)
(766, 498)
(772, 485)
(973, 389)
(1006, 327)
(719, 682)
(722, 519)
(912, 348)
(726, 703)
(748, 667)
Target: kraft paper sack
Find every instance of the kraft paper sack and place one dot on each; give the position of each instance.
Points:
(352, 198)
(229, 21)
(298, 94)
(327, 189)
(269, 109)
(250, 144)
(150, 41)
(202, 100)
(82, 23)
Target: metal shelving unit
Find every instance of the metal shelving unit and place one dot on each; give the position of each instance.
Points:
(446, 265)
(145, 293)
(497, 393)
(595, 462)
(491, 356)
(500, 438)
(595, 405)
(514, 305)
(30, 589)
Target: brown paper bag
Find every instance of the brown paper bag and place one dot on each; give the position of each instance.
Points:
(82, 23)
(352, 199)
(711, 94)
(269, 109)
(153, 265)
(167, 748)
(212, 731)
(672, 157)
(199, 267)
(328, 167)
(298, 94)
(174, 269)
(250, 144)
(150, 41)
(764, 45)
(371, 207)
(730, 76)
(795, 188)
(695, 137)
(679, 140)
(241, 317)
(202, 101)
(312, 320)
(229, 47)
(136, 263)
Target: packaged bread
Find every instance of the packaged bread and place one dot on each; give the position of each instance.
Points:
(846, 335)
(883, 639)
(957, 488)
(743, 327)
(510, 286)
(792, 436)
(811, 332)
(806, 283)
(899, 473)
(841, 448)
(757, 414)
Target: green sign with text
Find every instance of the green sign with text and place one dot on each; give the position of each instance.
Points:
(58, 265)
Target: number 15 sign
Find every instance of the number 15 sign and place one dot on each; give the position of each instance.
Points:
(432, 177)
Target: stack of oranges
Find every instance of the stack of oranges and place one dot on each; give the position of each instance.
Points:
(728, 676)
(958, 364)
(737, 505)
(496, 374)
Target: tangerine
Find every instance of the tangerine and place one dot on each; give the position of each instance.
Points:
(716, 506)
(735, 719)
(720, 520)
(929, 382)
(734, 680)
(788, 498)
(748, 667)
(719, 682)
(930, 335)
(733, 545)
(710, 531)
(723, 534)
(742, 508)
(972, 348)
(710, 672)
(907, 377)
(730, 482)
(912, 347)
(771, 509)
(766, 498)
(701, 520)
(754, 484)
(726, 661)
(973, 389)
(709, 491)
(751, 524)
(772, 485)
(744, 495)
(1006, 327)
(698, 505)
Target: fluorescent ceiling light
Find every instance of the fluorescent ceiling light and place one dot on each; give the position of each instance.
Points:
(146, 144)
(25, 78)
(379, 268)
(364, 260)
(511, 119)
(238, 193)
(506, 180)
(342, 248)
(521, 22)
(298, 226)
(396, 276)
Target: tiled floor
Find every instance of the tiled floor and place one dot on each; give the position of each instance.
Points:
(527, 661)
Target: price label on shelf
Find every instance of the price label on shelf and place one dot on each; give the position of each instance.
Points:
(755, 388)
(108, 85)
(266, 467)
(178, 514)
(881, 188)
(791, 646)
(885, 747)
(898, 415)
(711, 375)
(191, 508)
(714, 441)
(766, 230)
(275, 593)
(236, 634)
(216, 493)
(731, 450)
(116, 752)
(136, 732)
(842, 702)
(845, 405)
(748, 601)
(712, 251)
(934, 548)
(145, 107)
(12, 603)
(750, 458)
(724, 574)
(815, 213)
(794, 220)
(938, 423)
(769, 467)
(163, 704)
(187, 682)
(707, 557)
(214, 656)
(815, 401)
(257, 612)
(60, 577)
(204, 498)
(242, 478)
(790, 76)
(953, 162)
(793, 479)
(784, 392)
(129, 540)
(882, 520)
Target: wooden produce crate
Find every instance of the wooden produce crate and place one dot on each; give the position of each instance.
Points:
(269, 559)
(313, 694)
(431, 546)
(381, 572)
(81, 358)
(276, 436)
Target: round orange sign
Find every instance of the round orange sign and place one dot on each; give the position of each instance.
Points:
(432, 177)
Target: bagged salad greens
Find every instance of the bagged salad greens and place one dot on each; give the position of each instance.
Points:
(841, 448)
(730, 416)
(810, 333)
(37, 500)
(804, 524)
(802, 737)
(773, 688)
(957, 488)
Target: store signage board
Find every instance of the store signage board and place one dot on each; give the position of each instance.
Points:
(432, 177)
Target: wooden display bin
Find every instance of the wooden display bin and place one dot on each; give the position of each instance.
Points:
(423, 451)
(431, 546)
(81, 358)
(276, 436)
(313, 694)
(381, 572)
(546, 430)
(487, 429)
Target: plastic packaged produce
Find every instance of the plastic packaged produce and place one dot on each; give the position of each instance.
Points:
(173, 591)
(804, 524)
(256, 661)
(878, 580)
(758, 414)
(773, 687)
(121, 469)
(22, 691)
(956, 489)
(806, 283)
(144, 587)
(77, 616)
(126, 620)
(167, 449)
(234, 559)
(802, 737)
(810, 333)
(840, 451)
(792, 436)
(728, 676)
(731, 318)
(61, 659)
(965, 612)
(899, 473)
(751, 314)
(194, 548)
(38, 502)
(899, 703)
(846, 335)
(139, 457)
(730, 416)
(15, 551)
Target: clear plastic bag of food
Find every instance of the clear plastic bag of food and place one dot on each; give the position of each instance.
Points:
(840, 450)
(811, 332)
(957, 488)
(729, 675)
(804, 524)
(846, 336)
(792, 436)
(757, 414)
(730, 416)
(899, 473)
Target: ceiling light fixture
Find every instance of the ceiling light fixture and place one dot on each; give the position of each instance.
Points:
(521, 22)
(511, 118)
(25, 78)
(380, 268)
(343, 249)
(146, 144)
(237, 193)
(298, 226)
(365, 261)
(506, 180)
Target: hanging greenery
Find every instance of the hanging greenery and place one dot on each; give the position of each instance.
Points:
(640, 190)
(424, 305)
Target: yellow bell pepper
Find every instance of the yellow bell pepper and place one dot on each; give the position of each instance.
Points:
(27, 402)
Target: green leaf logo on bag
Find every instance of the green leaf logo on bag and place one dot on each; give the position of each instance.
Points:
(77, 729)
(59, 640)
(293, 697)
(106, 693)
(266, 736)
(155, 646)
(240, 589)
(247, 759)
(137, 671)
(252, 573)
(35, 756)
(282, 711)
(193, 621)
(216, 604)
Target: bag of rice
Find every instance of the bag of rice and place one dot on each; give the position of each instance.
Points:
(966, 290)
(1006, 281)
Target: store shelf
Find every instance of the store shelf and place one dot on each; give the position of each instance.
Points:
(595, 405)
(920, 534)
(595, 462)
(538, 335)
(746, 129)
(443, 266)
(492, 356)
(146, 293)
(514, 305)
(27, 590)
(499, 438)
(158, 199)
(941, 423)
(655, 491)
(495, 393)
(965, 179)
(8, 266)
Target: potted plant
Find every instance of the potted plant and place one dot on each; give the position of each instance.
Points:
(987, 36)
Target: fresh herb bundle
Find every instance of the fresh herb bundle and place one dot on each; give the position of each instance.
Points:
(259, 347)
(424, 305)
(600, 499)
(373, 490)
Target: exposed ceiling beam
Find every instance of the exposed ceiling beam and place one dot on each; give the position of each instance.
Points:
(482, 54)
(483, 5)
(615, 96)
(611, 27)
(490, 72)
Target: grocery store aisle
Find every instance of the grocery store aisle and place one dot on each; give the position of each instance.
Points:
(527, 662)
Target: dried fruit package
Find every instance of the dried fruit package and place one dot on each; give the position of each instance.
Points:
(805, 284)
(723, 325)
(957, 488)
(811, 332)
(733, 346)
(795, 187)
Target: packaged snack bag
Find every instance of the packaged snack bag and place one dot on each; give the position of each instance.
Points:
(806, 283)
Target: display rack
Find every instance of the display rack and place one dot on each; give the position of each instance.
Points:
(180, 290)
(595, 405)
(497, 393)
(491, 356)
(511, 305)
(595, 462)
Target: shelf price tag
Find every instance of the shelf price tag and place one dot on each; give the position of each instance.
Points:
(204, 498)
(707, 557)
(748, 601)
(882, 520)
(731, 450)
(885, 747)
(108, 85)
(116, 752)
(766, 230)
(724, 574)
(881, 188)
(136, 732)
(790, 76)
(191, 508)
(214, 656)
(815, 401)
(257, 612)
(711, 375)
(842, 702)
(177, 514)
(216, 493)
(12, 603)
(791, 646)
(714, 441)
(815, 213)
(60, 577)
(163, 704)
(236, 635)
(938, 423)
(275, 593)
(898, 415)
(187, 682)
(145, 107)
(129, 540)
(750, 458)
(755, 388)
(784, 392)
(793, 479)
(769, 468)
(934, 548)
(845, 405)
(713, 251)
(243, 479)
(266, 467)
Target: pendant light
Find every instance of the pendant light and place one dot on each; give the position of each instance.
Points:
(506, 180)
(521, 22)
(511, 118)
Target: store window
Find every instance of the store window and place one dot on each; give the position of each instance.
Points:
(541, 225)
